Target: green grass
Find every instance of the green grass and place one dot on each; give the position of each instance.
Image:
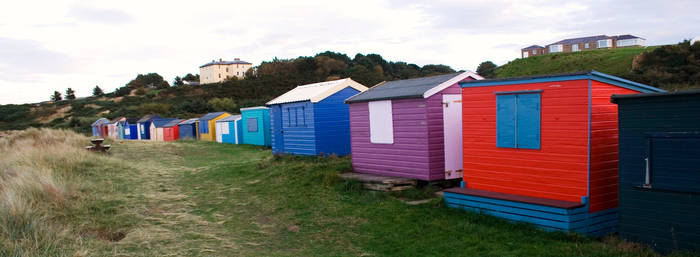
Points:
(208, 199)
(616, 62)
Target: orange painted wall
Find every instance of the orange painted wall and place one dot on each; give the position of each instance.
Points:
(604, 146)
(558, 170)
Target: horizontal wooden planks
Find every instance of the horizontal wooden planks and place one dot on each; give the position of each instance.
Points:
(604, 146)
(558, 170)
(407, 157)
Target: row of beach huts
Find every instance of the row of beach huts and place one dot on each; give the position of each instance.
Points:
(585, 152)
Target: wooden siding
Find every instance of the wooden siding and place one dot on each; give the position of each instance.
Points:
(664, 219)
(436, 133)
(332, 123)
(558, 170)
(262, 136)
(298, 139)
(408, 156)
(604, 146)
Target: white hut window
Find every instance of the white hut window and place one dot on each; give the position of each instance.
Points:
(381, 124)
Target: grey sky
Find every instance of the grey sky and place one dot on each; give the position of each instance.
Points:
(58, 44)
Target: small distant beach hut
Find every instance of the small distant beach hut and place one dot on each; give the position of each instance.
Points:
(256, 125)
(543, 150)
(131, 129)
(660, 169)
(144, 126)
(113, 129)
(157, 126)
(228, 130)
(171, 131)
(313, 119)
(207, 125)
(120, 129)
(188, 128)
(410, 128)
(97, 127)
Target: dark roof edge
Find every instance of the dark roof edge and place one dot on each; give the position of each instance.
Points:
(659, 94)
(350, 101)
(593, 75)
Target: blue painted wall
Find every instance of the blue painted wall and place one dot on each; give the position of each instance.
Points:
(145, 130)
(332, 123)
(276, 139)
(310, 129)
(261, 135)
(297, 129)
(188, 131)
(234, 128)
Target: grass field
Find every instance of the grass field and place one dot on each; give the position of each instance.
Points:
(616, 62)
(207, 199)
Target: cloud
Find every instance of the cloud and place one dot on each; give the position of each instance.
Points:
(99, 15)
(23, 60)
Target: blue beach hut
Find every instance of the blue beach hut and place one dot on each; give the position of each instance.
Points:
(188, 128)
(228, 130)
(144, 126)
(130, 129)
(256, 125)
(313, 119)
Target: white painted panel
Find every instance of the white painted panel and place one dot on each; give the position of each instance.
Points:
(224, 128)
(127, 131)
(218, 133)
(381, 123)
(452, 119)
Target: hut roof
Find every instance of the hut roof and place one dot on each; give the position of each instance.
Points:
(594, 75)
(148, 118)
(100, 121)
(230, 118)
(316, 92)
(210, 116)
(411, 88)
(159, 123)
(189, 121)
(172, 123)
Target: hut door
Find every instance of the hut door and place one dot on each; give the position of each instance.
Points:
(277, 132)
(452, 126)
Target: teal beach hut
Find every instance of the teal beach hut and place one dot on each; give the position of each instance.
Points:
(256, 125)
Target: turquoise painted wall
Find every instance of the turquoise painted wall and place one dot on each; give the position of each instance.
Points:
(259, 132)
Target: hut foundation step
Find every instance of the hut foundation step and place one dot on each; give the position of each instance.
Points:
(380, 183)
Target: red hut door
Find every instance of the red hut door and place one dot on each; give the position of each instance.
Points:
(452, 126)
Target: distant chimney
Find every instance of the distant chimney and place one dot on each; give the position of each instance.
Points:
(236, 59)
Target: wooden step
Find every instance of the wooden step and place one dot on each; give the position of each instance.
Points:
(380, 183)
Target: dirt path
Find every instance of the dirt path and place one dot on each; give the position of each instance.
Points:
(168, 227)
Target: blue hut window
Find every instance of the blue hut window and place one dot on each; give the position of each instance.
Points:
(301, 120)
(252, 124)
(518, 120)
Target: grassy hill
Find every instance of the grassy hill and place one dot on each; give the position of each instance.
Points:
(616, 62)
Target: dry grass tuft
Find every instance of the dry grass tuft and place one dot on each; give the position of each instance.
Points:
(37, 182)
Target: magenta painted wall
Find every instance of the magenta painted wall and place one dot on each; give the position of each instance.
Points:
(417, 151)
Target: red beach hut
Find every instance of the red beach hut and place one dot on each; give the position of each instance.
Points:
(543, 150)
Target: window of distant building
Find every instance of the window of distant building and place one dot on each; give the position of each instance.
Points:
(574, 48)
(604, 43)
(226, 69)
(534, 52)
(585, 45)
(219, 75)
(525, 54)
(555, 48)
(236, 73)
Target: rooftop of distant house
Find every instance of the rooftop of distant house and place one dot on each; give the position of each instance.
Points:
(579, 40)
(222, 62)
